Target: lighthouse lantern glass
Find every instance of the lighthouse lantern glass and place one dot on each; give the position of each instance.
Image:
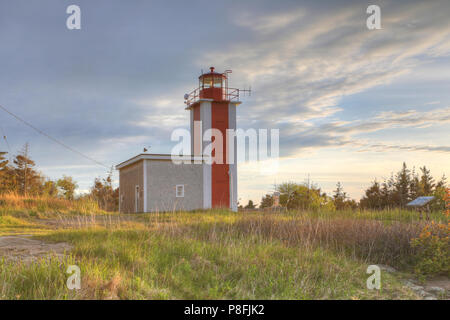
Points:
(211, 82)
(217, 82)
(207, 82)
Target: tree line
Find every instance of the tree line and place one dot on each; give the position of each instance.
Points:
(403, 187)
(19, 175)
(395, 192)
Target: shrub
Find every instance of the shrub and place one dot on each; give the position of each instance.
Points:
(433, 246)
(433, 254)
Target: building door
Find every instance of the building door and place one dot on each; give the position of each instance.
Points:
(136, 199)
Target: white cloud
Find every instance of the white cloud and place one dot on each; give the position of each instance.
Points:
(271, 23)
(300, 73)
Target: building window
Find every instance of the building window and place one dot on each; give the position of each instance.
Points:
(180, 190)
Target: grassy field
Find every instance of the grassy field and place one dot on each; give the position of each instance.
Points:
(45, 207)
(214, 255)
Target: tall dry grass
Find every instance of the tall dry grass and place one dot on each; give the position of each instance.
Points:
(373, 241)
(42, 205)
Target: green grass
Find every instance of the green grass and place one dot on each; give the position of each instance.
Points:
(44, 279)
(220, 255)
(14, 225)
(149, 265)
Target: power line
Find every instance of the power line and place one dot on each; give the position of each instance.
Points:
(51, 138)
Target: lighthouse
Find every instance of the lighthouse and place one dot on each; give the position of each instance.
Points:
(212, 108)
(207, 178)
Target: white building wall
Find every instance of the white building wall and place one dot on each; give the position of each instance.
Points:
(207, 194)
(191, 123)
(162, 178)
(233, 162)
(205, 117)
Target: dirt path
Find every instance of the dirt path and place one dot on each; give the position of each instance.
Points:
(22, 248)
(25, 249)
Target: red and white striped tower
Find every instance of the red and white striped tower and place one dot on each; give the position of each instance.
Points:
(213, 106)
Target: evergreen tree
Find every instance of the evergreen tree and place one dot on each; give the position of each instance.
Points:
(373, 198)
(442, 183)
(250, 205)
(27, 177)
(390, 195)
(426, 182)
(402, 184)
(414, 186)
(385, 195)
(339, 197)
(406, 186)
(4, 172)
(266, 201)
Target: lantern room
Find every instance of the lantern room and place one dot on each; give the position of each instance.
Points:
(213, 85)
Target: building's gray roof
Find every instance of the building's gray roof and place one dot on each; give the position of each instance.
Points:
(420, 201)
(148, 156)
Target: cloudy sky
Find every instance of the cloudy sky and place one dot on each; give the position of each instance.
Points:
(351, 104)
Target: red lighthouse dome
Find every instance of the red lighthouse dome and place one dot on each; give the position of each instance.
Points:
(213, 85)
